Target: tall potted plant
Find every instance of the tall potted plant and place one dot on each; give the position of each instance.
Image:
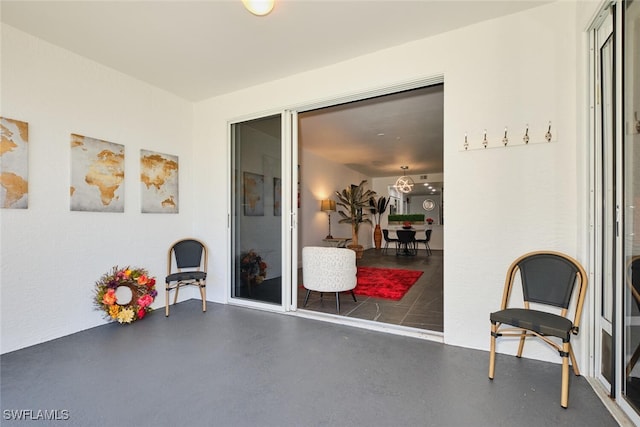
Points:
(354, 200)
(377, 208)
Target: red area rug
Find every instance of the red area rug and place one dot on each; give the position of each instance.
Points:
(387, 283)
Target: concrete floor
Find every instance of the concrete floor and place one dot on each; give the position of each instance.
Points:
(234, 366)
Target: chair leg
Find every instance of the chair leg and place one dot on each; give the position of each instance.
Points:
(574, 364)
(386, 246)
(306, 298)
(203, 294)
(521, 345)
(338, 302)
(354, 296)
(166, 301)
(175, 297)
(492, 351)
(564, 397)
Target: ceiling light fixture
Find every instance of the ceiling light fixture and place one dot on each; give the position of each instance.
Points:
(404, 184)
(259, 7)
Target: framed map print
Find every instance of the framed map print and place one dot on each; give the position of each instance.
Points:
(97, 175)
(158, 182)
(14, 164)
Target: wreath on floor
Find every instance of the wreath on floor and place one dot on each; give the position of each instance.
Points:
(125, 294)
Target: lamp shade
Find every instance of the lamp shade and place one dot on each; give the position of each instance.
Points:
(328, 205)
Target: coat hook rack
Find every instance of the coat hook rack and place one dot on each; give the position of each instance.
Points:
(510, 142)
(547, 135)
(635, 114)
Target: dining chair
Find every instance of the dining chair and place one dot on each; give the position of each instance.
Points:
(426, 241)
(406, 242)
(387, 240)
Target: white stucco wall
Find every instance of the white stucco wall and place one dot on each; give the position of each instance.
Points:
(501, 202)
(51, 257)
(525, 68)
(320, 179)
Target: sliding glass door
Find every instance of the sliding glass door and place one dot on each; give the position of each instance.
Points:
(605, 196)
(256, 217)
(616, 242)
(631, 196)
(262, 217)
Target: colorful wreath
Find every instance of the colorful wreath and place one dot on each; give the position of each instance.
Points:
(125, 294)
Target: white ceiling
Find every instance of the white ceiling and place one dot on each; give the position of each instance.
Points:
(200, 49)
(376, 136)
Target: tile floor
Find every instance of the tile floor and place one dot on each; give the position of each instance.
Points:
(420, 308)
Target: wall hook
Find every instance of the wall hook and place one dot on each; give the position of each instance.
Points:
(637, 122)
(547, 135)
(484, 141)
(466, 143)
(505, 140)
(525, 138)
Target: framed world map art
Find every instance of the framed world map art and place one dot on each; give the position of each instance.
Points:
(97, 175)
(158, 182)
(14, 165)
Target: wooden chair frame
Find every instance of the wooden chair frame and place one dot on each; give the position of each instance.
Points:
(201, 283)
(565, 349)
(636, 354)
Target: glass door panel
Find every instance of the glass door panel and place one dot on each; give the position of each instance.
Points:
(605, 194)
(631, 195)
(257, 210)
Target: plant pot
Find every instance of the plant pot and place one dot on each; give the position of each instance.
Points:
(358, 249)
(377, 236)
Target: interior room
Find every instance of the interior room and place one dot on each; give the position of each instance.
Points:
(128, 126)
(374, 137)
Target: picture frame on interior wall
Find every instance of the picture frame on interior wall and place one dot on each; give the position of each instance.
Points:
(14, 164)
(253, 194)
(97, 175)
(277, 197)
(158, 182)
(298, 186)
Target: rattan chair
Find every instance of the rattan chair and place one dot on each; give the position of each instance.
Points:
(191, 261)
(329, 270)
(633, 282)
(548, 280)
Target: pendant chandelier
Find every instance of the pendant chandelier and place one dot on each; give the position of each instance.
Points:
(404, 184)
